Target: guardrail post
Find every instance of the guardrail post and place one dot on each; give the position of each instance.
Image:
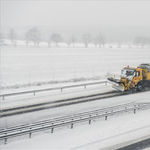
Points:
(34, 93)
(106, 116)
(106, 83)
(85, 86)
(3, 97)
(90, 120)
(72, 124)
(61, 89)
(5, 142)
(134, 109)
(30, 135)
(52, 130)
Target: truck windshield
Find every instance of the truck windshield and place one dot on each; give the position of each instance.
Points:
(127, 72)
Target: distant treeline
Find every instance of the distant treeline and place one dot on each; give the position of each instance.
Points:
(33, 35)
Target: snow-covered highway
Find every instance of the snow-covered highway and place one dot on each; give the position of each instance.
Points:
(101, 134)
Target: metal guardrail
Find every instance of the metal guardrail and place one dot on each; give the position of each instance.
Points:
(68, 120)
(51, 89)
(65, 117)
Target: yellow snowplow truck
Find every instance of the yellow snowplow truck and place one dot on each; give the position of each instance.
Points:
(135, 79)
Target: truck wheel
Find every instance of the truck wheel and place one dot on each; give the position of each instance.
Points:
(148, 83)
(133, 90)
(140, 87)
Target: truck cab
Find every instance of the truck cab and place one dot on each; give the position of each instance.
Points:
(132, 78)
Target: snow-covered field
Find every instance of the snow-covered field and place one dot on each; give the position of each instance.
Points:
(21, 65)
(100, 134)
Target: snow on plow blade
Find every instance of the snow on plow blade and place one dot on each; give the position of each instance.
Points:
(119, 87)
(116, 84)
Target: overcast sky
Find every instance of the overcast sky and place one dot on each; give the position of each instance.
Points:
(75, 13)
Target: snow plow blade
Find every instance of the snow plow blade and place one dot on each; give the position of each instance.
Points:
(116, 84)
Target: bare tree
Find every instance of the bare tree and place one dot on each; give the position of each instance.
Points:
(49, 41)
(95, 42)
(137, 41)
(100, 40)
(56, 38)
(68, 41)
(119, 42)
(129, 45)
(12, 36)
(73, 40)
(142, 41)
(1, 38)
(87, 38)
(34, 36)
(27, 38)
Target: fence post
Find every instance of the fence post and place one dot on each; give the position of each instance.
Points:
(5, 142)
(90, 120)
(72, 124)
(106, 116)
(52, 130)
(30, 135)
(134, 109)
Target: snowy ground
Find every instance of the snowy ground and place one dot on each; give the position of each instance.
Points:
(16, 101)
(100, 134)
(50, 96)
(21, 65)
